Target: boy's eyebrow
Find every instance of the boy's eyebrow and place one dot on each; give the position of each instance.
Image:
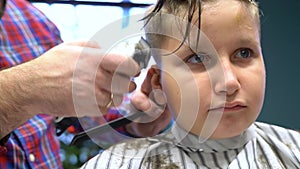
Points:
(249, 40)
(188, 50)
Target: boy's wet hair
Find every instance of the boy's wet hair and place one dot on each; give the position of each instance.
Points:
(186, 8)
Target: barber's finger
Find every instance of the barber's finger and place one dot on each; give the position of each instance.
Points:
(103, 97)
(103, 80)
(112, 101)
(121, 84)
(116, 63)
(150, 129)
(115, 83)
(140, 101)
(117, 100)
(107, 100)
(152, 114)
(143, 103)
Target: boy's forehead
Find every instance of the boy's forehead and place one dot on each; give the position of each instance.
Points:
(215, 7)
(177, 26)
(174, 33)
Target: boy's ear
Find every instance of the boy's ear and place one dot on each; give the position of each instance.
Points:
(152, 86)
(152, 80)
(155, 80)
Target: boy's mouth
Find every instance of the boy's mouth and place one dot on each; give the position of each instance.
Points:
(229, 106)
(234, 108)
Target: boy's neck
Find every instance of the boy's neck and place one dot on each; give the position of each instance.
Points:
(191, 141)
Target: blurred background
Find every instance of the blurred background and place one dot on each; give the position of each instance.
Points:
(280, 41)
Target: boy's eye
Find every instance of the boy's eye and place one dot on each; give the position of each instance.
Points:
(244, 53)
(198, 58)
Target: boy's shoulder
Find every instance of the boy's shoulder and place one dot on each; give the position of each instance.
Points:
(289, 137)
(275, 129)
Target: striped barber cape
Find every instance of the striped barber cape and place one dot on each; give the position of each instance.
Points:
(261, 146)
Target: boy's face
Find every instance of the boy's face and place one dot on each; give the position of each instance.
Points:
(226, 81)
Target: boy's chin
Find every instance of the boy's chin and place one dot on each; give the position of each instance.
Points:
(227, 132)
(221, 133)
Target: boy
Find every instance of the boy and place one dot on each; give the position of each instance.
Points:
(214, 83)
(25, 34)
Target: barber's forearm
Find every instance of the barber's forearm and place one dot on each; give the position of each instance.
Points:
(13, 100)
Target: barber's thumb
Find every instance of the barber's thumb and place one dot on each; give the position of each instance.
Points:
(153, 106)
(157, 101)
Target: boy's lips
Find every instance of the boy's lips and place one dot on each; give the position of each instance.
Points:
(230, 106)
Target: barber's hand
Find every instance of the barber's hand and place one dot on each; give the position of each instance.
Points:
(77, 79)
(150, 100)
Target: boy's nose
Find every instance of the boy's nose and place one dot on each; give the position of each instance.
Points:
(230, 82)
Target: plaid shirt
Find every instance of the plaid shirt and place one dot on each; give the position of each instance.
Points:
(26, 33)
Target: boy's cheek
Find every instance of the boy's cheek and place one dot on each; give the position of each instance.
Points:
(182, 98)
(172, 92)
